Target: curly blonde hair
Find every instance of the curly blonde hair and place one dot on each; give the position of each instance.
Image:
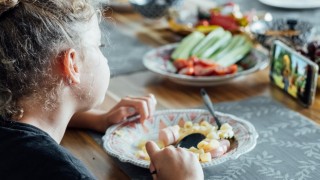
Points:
(32, 34)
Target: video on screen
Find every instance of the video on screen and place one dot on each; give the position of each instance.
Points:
(290, 72)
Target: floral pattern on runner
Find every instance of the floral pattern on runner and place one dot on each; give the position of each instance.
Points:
(288, 147)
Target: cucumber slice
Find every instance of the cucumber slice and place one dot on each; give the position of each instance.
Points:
(187, 44)
(207, 41)
(236, 41)
(226, 37)
(235, 55)
(227, 48)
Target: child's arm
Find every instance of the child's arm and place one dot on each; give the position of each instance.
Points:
(99, 120)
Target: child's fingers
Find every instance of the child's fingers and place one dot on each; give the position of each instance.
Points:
(150, 104)
(152, 149)
(121, 113)
(141, 106)
(144, 106)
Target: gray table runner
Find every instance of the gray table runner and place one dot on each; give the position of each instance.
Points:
(288, 146)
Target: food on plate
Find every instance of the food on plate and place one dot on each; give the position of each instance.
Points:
(216, 143)
(227, 16)
(119, 133)
(197, 67)
(169, 135)
(187, 44)
(214, 54)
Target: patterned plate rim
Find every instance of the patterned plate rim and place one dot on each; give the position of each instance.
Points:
(145, 164)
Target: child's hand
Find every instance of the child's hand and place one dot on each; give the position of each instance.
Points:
(100, 120)
(173, 163)
(129, 106)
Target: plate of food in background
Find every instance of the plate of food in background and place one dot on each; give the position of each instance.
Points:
(126, 141)
(206, 60)
(227, 16)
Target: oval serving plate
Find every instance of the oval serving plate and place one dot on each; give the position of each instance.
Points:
(292, 4)
(158, 61)
(121, 140)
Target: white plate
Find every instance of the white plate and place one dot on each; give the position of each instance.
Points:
(124, 146)
(292, 4)
(158, 61)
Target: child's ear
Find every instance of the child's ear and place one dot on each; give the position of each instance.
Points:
(70, 66)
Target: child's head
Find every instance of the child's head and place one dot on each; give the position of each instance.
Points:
(49, 48)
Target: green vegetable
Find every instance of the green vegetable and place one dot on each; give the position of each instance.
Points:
(219, 46)
(235, 55)
(187, 44)
(207, 42)
(220, 43)
(236, 40)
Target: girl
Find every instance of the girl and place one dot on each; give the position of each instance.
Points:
(52, 75)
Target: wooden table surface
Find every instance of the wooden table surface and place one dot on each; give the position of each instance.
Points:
(168, 94)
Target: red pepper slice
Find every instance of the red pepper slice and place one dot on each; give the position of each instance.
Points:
(182, 63)
(227, 22)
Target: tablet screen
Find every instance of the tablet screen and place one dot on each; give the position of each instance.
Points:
(292, 72)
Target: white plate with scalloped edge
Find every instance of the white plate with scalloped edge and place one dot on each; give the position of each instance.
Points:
(121, 140)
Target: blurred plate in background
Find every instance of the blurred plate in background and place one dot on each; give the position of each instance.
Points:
(292, 4)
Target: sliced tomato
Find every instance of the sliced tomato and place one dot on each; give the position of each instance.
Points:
(214, 70)
(233, 68)
(182, 63)
(219, 70)
(194, 59)
(206, 63)
(200, 70)
(187, 71)
(197, 67)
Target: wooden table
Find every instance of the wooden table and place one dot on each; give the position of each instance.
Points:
(168, 94)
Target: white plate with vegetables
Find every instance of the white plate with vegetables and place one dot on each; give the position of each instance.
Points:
(200, 60)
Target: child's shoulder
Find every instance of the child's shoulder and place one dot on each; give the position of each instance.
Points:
(28, 150)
